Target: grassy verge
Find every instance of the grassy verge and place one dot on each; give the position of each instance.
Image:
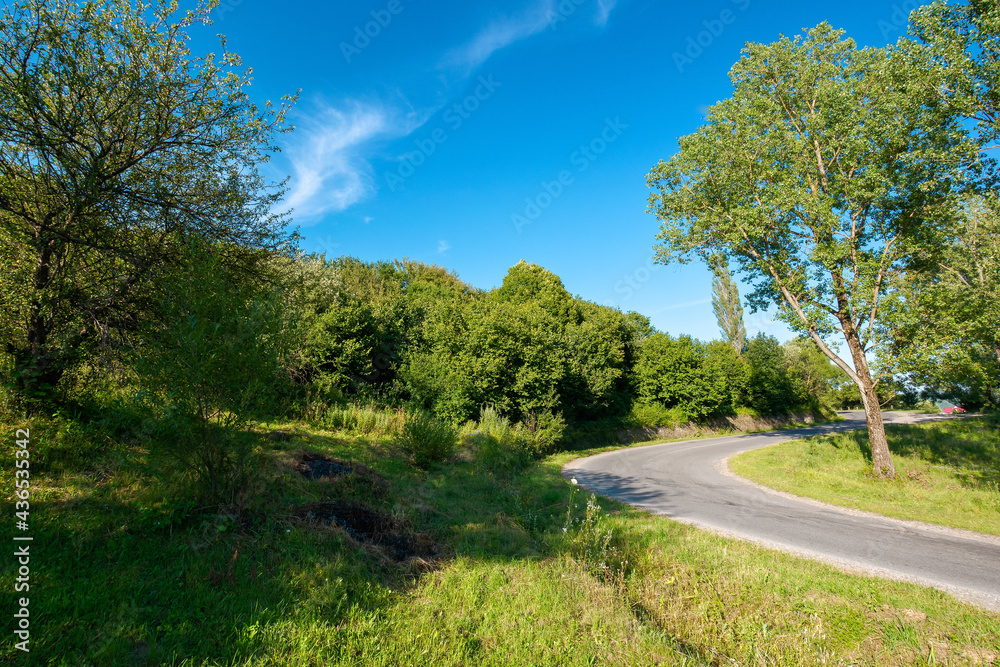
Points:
(491, 566)
(947, 472)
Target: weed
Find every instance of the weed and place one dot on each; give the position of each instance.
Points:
(426, 439)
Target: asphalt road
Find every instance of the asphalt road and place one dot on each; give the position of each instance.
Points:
(690, 482)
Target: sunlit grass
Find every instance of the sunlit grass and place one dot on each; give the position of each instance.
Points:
(947, 472)
(127, 573)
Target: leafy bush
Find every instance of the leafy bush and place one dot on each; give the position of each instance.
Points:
(770, 389)
(500, 446)
(207, 367)
(427, 439)
(655, 415)
(678, 372)
(928, 407)
(546, 431)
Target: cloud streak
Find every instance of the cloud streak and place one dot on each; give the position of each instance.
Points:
(329, 159)
(499, 34)
(604, 9)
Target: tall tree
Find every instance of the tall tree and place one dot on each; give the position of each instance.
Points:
(817, 177)
(116, 147)
(727, 307)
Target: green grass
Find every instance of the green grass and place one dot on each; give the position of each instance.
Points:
(947, 472)
(125, 572)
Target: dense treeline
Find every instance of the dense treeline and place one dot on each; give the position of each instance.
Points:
(408, 333)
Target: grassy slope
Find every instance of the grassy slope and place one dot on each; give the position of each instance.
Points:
(123, 575)
(946, 472)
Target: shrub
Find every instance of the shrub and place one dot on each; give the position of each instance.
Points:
(655, 415)
(546, 431)
(500, 446)
(209, 366)
(427, 439)
(928, 407)
(681, 373)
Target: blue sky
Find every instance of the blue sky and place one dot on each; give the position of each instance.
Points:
(474, 135)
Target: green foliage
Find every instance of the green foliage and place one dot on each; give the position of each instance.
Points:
(813, 376)
(592, 541)
(963, 39)
(770, 387)
(946, 325)
(676, 373)
(723, 361)
(527, 348)
(426, 439)
(366, 419)
(354, 322)
(817, 189)
(547, 430)
(117, 147)
(505, 448)
(655, 415)
(531, 284)
(501, 452)
(208, 367)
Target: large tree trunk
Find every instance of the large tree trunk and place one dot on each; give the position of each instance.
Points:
(37, 366)
(881, 458)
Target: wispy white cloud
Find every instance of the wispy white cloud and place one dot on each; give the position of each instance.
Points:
(329, 154)
(604, 9)
(443, 246)
(500, 33)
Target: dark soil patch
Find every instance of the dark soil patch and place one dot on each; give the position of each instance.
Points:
(369, 526)
(317, 466)
(352, 479)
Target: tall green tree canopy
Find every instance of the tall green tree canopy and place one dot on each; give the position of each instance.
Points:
(817, 177)
(117, 145)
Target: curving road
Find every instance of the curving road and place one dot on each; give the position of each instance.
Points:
(690, 482)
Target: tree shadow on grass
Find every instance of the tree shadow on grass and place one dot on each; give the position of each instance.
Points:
(854, 440)
(120, 583)
(122, 593)
(968, 446)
